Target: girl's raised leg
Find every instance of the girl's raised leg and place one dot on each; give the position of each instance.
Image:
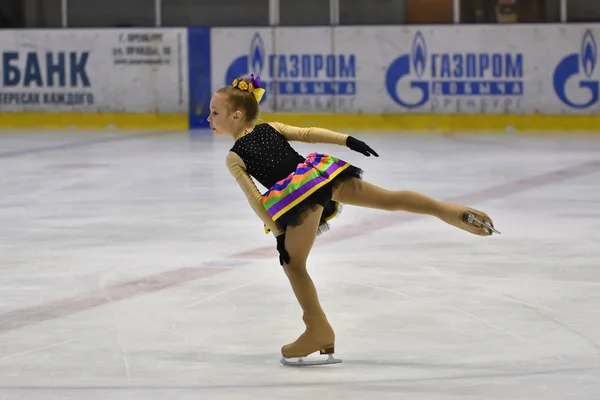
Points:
(364, 194)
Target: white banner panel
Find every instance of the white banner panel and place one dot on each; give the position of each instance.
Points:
(493, 69)
(108, 70)
(434, 70)
(299, 67)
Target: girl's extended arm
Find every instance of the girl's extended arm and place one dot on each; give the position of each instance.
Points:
(320, 135)
(310, 135)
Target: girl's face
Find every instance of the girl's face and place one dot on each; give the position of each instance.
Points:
(222, 120)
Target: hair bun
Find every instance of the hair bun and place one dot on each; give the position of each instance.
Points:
(251, 85)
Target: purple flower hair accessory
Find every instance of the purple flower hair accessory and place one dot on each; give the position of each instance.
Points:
(255, 81)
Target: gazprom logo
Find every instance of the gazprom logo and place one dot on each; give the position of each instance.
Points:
(299, 80)
(460, 80)
(571, 67)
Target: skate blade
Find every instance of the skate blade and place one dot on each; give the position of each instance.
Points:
(487, 227)
(306, 363)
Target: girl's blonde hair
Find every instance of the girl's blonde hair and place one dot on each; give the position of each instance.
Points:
(244, 94)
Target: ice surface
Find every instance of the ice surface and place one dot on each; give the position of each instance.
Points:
(132, 267)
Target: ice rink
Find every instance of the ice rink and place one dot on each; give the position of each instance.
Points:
(132, 267)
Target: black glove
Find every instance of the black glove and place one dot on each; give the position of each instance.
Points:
(283, 254)
(360, 146)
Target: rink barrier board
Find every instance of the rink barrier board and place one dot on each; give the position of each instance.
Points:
(437, 122)
(94, 121)
(526, 77)
(342, 122)
(89, 71)
(555, 78)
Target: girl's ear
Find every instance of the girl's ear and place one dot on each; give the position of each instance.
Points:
(237, 115)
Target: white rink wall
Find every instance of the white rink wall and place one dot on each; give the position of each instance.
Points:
(326, 75)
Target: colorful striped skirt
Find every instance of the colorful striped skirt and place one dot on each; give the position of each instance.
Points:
(310, 184)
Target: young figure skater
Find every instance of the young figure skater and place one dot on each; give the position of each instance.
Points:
(304, 193)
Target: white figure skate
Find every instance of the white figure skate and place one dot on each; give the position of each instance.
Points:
(305, 363)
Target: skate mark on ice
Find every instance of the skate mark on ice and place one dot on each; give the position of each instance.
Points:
(51, 346)
(504, 296)
(593, 344)
(276, 385)
(538, 310)
(124, 356)
(458, 310)
(231, 289)
(536, 281)
(81, 143)
(108, 295)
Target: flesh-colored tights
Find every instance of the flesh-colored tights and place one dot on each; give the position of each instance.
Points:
(300, 239)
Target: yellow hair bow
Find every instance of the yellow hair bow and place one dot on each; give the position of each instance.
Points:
(258, 94)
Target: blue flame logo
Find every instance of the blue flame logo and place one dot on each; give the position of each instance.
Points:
(401, 68)
(257, 54)
(419, 54)
(574, 65)
(253, 62)
(589, 53)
